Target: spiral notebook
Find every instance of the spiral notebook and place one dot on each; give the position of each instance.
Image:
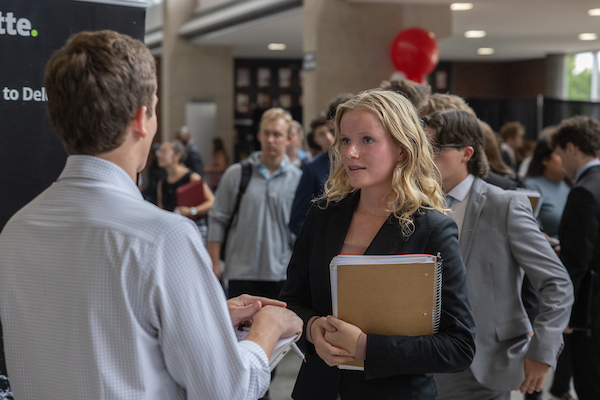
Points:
(387, 295)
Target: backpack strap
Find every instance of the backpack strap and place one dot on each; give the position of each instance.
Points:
(246, 175)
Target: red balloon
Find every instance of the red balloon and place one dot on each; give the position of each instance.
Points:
(415, 52)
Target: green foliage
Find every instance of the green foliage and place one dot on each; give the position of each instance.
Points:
(579, 86)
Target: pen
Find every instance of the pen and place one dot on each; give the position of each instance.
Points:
(244, 325)
(298, 352)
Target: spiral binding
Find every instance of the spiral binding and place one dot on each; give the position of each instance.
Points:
(437, 293)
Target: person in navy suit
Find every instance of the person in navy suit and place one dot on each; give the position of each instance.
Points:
(314, 174)
(577, 142)
(383, 197)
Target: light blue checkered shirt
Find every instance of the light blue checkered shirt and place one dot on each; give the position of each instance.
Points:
(105, 296)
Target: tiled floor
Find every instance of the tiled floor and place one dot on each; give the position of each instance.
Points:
(282, 385)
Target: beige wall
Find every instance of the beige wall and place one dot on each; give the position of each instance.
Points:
(352, 44)
(190, 71)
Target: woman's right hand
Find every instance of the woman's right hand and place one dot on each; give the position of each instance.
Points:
(330, 354)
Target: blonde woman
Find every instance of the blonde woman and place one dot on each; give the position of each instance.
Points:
(383, 197)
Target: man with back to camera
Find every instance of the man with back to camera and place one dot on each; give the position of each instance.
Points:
(102, 294)
(577, 142)
(500, 241)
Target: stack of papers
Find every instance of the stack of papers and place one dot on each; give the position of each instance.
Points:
(282, 347)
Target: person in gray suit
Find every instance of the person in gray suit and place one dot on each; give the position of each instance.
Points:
(500, 241)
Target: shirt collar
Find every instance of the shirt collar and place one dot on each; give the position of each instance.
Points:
(460, 191)
(585, 167)
(83, 167)
(263, 169)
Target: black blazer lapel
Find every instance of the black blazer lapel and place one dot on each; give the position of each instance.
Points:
(477, 198)
(337, 226)
(388, 240)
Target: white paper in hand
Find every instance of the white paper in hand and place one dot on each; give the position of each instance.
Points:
(282, 347)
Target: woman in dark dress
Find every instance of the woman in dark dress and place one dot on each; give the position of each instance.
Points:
(170, 156)
(383, 197)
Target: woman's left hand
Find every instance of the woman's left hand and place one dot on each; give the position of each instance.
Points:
(345, 336)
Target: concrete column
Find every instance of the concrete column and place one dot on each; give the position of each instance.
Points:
(555, 77)
(190, 71)
(351, 42)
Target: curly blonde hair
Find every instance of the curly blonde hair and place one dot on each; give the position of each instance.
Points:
(416, 180)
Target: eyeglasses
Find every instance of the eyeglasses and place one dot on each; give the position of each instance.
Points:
(437, 148)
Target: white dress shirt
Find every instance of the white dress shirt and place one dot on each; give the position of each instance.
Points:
(105, 296)
(460, 194)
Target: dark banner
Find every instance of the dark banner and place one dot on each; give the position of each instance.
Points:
(31, 156)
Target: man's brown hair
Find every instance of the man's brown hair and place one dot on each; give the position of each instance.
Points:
(511, 130)
(320, 120)
(95, 85)
(492, 150)
(417, 93)
(460, 127)
(583, 132)
(440, 101)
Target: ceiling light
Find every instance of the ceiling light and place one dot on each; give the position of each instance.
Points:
(594, 12)
(461, 6)
(276, 46)
(474, 34)
(485, 51)
(587, 36)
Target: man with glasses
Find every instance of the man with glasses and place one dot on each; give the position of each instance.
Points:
(500, 241)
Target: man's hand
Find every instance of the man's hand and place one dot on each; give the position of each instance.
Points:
(272, 323)
(568, 330)
(332, 355)
(244, 307)
(535, 373)
(345, 335)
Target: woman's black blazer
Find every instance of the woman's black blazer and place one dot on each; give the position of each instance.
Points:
(397, 367)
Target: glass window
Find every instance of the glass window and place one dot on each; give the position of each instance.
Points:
(579, 75)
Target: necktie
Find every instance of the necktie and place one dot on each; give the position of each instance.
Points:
(449, 200)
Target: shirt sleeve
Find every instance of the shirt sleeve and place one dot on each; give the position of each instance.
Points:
(225, 198)
(547, 275)
(189, 312)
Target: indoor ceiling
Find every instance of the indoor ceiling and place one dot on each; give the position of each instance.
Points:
(515, 29)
